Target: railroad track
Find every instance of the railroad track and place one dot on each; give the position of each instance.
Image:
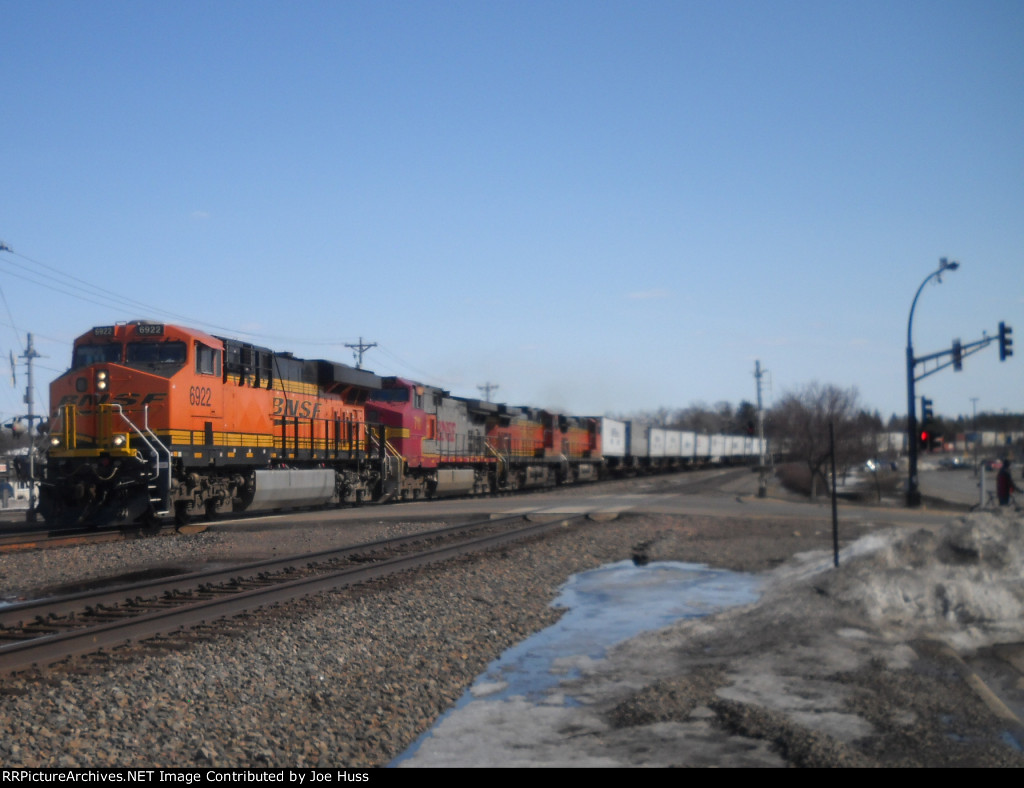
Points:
(39, 538)
(42, 632)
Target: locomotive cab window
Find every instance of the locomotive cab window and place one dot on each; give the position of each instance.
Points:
(156, 353)
(390, 395)
(207, 360)
(96, 354)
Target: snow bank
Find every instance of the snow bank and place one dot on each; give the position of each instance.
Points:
(963, 582)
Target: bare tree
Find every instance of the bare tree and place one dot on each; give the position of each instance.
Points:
(801, 420)
(697, 417)
(703, 418)
(745, 420)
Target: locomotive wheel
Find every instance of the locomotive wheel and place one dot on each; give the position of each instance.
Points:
(149, 524)
(182, 513)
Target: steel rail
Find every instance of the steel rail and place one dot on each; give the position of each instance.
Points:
(36, 610)
(38, 540)
(47, 649)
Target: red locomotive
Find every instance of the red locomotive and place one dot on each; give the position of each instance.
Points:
(455, 446)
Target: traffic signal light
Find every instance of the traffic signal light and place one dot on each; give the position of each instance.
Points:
(1005, 341)
(958, 356)
(927, 415)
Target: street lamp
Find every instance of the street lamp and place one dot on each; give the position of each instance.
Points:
(913, 490)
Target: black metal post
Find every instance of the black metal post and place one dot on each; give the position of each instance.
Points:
(835, 508)
(913, 490)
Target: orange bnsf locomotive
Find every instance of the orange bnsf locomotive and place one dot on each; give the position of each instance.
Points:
(155, 419)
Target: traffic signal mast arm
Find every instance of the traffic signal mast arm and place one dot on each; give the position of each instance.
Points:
(954, 357)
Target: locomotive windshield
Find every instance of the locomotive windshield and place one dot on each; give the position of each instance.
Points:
(95, 354)
(156, 353)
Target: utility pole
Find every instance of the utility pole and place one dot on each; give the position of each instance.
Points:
(358, 349)
(762, 470)
(486, 390)
(29, 355)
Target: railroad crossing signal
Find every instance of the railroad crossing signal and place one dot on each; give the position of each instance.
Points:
(1005, 341)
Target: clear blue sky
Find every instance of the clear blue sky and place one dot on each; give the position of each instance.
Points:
(600, 206)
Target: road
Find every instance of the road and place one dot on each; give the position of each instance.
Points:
(716, 493)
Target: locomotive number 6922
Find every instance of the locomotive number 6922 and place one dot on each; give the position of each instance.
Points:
(200, 395)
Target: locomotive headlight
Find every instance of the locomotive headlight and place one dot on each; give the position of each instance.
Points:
(55, 442)
(119, 440)
(101, 379)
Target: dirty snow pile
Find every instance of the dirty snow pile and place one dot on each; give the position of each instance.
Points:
(963, 582)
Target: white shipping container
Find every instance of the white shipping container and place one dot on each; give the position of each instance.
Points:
(637, 439)
(657, 442)
(673, 442)
(688, 444)
(613, 438)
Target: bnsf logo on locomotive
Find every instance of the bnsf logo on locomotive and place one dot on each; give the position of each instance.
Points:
(88, 400)
(304, 409)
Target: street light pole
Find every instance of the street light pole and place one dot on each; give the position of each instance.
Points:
(913, 489)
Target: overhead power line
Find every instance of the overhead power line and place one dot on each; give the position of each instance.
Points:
(55, 280)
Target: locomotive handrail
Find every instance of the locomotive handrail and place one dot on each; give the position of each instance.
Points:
(494, 451)
(154, 449)
(160, 443)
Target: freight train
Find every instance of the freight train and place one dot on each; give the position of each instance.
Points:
(154, 419)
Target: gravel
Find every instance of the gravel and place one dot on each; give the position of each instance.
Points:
(348, 678)
(353, 678)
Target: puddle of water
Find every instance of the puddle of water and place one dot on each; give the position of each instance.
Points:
(605, 606)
